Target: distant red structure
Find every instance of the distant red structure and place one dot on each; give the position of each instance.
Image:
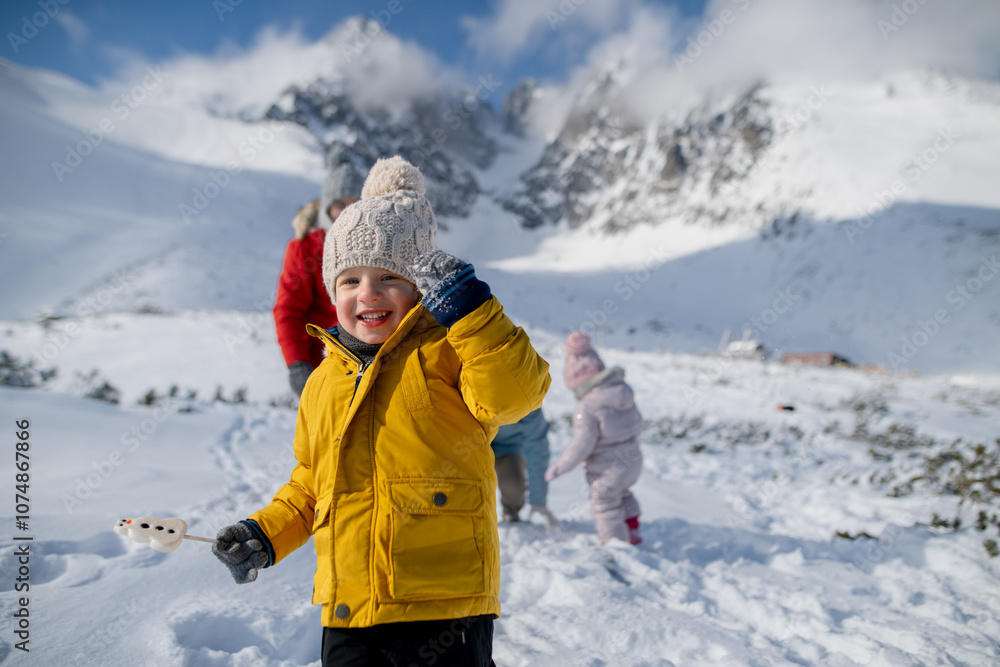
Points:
(823, 359)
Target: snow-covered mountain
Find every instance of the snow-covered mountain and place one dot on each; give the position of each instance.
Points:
(872, 200)
(851, 216)
(447, 134)
(756, 157)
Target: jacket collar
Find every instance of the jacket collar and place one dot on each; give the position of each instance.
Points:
(413, 320)
(613, 373)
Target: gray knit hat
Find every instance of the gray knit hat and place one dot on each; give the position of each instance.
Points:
(388, 228)
(342, 180)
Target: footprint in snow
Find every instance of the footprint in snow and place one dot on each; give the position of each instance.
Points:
(64, 562)
(296, 640)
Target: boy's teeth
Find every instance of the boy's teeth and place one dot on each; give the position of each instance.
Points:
(369, 317)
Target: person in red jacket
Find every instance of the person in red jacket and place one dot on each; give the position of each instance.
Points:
(302, 297)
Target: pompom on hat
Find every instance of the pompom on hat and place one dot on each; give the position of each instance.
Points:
(582, 361)
(391, 225)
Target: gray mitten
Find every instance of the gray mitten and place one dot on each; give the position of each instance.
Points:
(242, 550)
(431, 267)
(298, 373)
(449, 285)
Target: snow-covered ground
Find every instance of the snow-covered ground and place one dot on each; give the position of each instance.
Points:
(741, 502)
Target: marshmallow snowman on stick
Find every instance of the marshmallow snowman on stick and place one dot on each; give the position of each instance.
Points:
(161, 534)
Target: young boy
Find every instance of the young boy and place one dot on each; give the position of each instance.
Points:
(394, 476)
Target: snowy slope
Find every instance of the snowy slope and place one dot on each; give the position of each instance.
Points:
(805, 288)
(116, 217)
(741, 504)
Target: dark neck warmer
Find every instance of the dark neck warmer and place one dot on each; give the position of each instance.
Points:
(364, 351)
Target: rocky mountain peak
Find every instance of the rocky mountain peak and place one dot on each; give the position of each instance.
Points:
(442, 132)
(608, 170)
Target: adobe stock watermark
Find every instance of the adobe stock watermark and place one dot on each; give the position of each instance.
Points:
(248, 324)
(913, 169)
(626, 287)
(710, 31)
(877, 550)
(565, 9)
(57, 341)
(220, 179)
(275, 634)
(131, 440)
(899, 17)
(369, 30)
(223, 7)
(784, 300)
(910, 344)
(30, 27)
(623, 462)
(455, 116)
(758, 497)
(104, 639)
(257, 484)
(614, 649)
(761, 494)
(522, 212)
(121, 108)
(818, 97)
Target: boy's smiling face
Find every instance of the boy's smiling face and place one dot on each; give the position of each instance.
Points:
(372, 302)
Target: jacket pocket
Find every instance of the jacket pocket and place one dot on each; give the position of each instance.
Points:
(323, 542)
(436, 540)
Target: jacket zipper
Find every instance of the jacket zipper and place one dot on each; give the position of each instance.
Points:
(357, 379)
(362, 366)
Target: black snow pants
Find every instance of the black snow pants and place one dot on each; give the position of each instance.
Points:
(459, 642)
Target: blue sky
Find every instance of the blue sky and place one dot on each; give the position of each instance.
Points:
(90, 39)
(738, 41)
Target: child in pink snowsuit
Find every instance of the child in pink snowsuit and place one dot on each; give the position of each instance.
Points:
(606, 425)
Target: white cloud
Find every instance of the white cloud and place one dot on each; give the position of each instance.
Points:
(77, 31)
(520, 28)
(374, 67)
(665, 64)
(768, 38)
(516, 25)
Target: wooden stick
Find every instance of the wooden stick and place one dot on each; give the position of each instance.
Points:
(200, 539)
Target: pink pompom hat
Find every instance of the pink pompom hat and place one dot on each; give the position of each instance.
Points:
(582, 362)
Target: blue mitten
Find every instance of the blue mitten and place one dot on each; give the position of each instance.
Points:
(449, 285)
(244, 549)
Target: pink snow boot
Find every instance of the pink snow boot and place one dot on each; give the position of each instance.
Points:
(634, 536)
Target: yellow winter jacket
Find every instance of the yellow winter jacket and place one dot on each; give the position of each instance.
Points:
(394, 475)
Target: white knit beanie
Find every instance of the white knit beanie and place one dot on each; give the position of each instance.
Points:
(388, 228)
